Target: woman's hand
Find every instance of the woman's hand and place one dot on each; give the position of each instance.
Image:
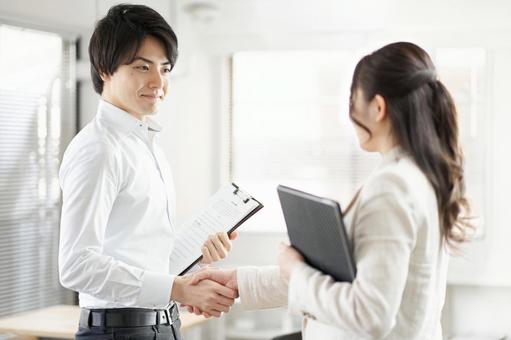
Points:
(288, 258)
(210, 297)
(217, 246)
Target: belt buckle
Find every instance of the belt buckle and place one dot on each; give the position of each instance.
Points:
(167, 316)
(174, 313)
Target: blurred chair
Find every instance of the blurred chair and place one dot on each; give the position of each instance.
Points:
(292, 336)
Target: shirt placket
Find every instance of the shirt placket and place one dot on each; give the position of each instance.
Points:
(148, 140)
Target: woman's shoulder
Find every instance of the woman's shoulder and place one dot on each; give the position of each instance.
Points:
(397, 187)
(400, 179)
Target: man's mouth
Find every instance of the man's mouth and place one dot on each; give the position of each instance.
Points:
(151, 97)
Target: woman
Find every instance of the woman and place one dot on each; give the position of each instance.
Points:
(402, 221)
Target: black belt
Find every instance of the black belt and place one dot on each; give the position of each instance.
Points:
(128, 317)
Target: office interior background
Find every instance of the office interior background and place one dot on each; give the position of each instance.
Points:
(259, 96)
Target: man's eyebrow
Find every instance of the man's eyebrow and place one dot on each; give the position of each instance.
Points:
(150, 61)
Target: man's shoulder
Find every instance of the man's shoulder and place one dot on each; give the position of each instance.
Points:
(90, 138)
(91, 144)
(96, 135)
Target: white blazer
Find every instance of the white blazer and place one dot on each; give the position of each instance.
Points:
(401, 263)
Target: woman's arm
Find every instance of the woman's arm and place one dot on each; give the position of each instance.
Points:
(261, 287)
(385, 233)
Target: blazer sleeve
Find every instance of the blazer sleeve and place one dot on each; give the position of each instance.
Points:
(261, 287)
(385, 234)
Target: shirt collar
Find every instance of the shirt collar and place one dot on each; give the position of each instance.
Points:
(122, 121)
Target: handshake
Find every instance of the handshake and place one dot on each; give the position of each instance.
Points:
(208, 292)
(212, 291)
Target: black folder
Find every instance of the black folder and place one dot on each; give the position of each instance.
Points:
(316, 229)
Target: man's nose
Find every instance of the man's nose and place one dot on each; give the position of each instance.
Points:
(156, 80)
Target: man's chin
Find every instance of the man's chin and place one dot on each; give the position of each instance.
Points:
(151, 111)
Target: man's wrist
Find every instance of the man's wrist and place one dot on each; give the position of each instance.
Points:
(177, 289)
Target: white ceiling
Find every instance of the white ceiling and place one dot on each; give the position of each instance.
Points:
(277, 16)
(76, 16)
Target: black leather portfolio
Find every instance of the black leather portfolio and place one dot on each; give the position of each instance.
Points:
(316, 229)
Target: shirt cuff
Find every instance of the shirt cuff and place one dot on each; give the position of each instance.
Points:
(297, 291)
(155, 290)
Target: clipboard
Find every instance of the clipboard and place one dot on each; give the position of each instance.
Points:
(316, 229)
(225, 211)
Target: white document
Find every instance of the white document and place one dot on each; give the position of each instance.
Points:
(225, 211)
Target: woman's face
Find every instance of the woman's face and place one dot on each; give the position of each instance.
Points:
(373, 116)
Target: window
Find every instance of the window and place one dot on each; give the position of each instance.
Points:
(290, 125)
(36, 84)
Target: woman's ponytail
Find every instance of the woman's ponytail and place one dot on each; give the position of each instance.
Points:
(453, 206)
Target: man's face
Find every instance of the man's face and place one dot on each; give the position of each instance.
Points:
(139, 88)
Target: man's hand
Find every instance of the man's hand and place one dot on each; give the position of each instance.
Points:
(209, 296)
(227, 278)
(217, 246)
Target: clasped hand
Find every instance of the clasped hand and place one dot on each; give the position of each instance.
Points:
(211, 291)
(211, 295)
(225, 278)
(288, 258)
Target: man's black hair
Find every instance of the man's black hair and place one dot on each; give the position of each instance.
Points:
(119, 35)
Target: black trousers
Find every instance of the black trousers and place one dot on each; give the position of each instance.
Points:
(158, 332)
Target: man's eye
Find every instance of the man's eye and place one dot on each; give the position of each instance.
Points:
(143, 68)
(166, 70)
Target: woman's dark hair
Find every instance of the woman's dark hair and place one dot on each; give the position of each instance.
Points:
(119, 35)
(424, 123)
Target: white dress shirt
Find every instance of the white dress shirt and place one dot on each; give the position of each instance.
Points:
(401, 263)
(116, 232)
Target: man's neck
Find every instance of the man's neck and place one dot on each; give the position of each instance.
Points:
(142, 118)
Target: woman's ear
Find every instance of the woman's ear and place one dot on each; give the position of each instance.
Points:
(381, 108)
(104, 76)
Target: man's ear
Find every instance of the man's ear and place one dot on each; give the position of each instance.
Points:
(381, 108)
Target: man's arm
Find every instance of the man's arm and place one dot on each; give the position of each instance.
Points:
(90, 183)
(90, 186)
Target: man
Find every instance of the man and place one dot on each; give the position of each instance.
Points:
(117, 228)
